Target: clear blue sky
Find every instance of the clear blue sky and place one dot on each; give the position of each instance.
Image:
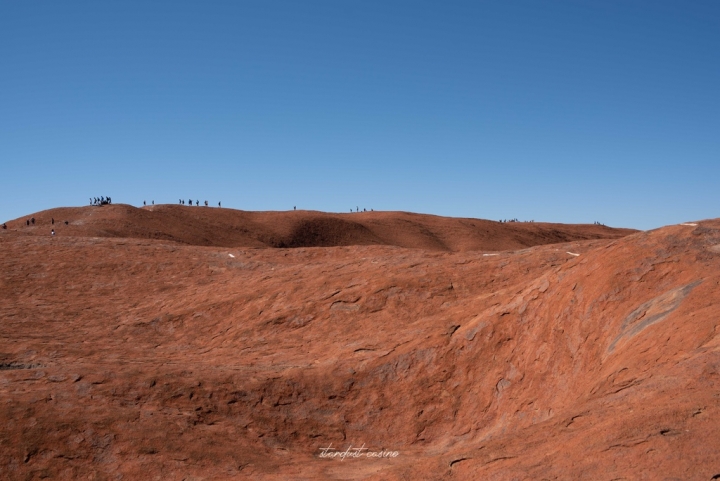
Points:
(553, 111)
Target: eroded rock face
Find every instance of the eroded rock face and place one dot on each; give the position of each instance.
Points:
(203, 226)
(149, 359)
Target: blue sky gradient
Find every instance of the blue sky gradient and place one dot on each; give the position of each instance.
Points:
(554, 111)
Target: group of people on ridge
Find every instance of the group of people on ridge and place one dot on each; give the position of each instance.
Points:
(100, 200)
(197, 202)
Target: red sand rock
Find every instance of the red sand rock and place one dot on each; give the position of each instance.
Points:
(207, 226)
(133, 358)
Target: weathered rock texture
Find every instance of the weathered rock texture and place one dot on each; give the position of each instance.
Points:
(123, 357)
(206, 226)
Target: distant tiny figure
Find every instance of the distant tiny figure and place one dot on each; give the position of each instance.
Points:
(52, 220)
(294, 207)
(33, 221)
(206, 203)
(52, 232)
(144, 203)
(190, 202)
(4, 226)
(66, 222)
(197, 203)
(27, 222)
(153, 202)
(219, 204)
(91, 201)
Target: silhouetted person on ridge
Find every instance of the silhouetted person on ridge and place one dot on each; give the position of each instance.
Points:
(52, 220)
(190, 202)
(33, 221)
(144, 203)
(219, 204)
(206, 203)
(153, 202)
(294, 207)
(197, 203)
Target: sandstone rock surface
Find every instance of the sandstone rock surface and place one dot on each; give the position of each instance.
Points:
(136, 344)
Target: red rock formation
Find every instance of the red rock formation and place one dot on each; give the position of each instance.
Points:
(156, 360)
(204, 226)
